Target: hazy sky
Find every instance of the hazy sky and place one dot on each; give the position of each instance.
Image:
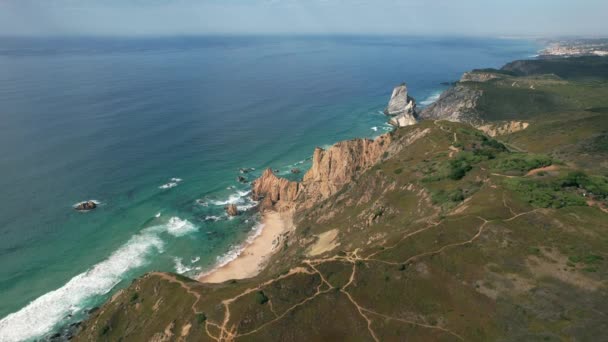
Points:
(416, 17)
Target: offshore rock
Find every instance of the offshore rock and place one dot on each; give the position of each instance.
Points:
(232, 210)
(85, 206)
(402, 107)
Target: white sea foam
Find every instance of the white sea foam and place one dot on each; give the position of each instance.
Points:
(168, 185)
(178, 227)
(171, 184)
(180, 268)
(202, 203)
(157, 215)
(241, 199)
(44, 313)
(196, 259)
(79, 203)
(431, 99)
(212, 218)
(375, 129)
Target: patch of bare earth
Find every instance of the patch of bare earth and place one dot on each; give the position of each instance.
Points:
(326, 242)
(552, 264)
(548, 169)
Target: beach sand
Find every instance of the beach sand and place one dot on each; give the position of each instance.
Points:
(254, 256)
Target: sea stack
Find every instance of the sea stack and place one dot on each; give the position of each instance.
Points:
(401, 107)
(232, 210)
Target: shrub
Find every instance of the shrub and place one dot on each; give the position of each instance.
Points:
(544, 194)
(104, 330)
(522, 162)
(134, 297)
(443, 197)
(398, 171)
(200, 318)
(596, 185)
(261, 298)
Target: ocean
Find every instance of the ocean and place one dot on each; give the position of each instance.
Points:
(155, 130)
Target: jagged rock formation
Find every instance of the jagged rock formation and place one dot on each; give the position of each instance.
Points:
(402, 106)
(455, 104)
(331, 170)
(503, 128)
(272, 189)
(232, 210)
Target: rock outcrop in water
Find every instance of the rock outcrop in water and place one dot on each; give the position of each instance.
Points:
(232, 210)
(402, 107)
(86, 206)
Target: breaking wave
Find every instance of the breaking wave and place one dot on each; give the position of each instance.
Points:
(44, 313)
(173, 182)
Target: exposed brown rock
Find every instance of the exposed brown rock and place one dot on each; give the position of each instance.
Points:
(275, 188)
(331, 170)
(232, 210)
(335, 167)
(503, 128)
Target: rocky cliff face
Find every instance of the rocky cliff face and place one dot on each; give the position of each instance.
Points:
(402, 107)
(272, 189)
(331, 170)
(455, 104)
(335, 167)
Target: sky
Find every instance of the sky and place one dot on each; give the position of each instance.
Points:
(547, 18)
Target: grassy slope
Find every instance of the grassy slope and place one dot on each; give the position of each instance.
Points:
(434, 244)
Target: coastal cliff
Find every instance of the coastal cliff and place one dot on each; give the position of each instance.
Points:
(331, 169)
(458, 104)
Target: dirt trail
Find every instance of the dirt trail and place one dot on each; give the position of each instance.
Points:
(542, 169)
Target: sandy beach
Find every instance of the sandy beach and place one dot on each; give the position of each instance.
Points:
(253, 258)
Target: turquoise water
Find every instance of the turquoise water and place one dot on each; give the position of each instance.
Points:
(116, 119)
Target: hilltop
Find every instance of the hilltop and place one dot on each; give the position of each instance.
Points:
(487, 220)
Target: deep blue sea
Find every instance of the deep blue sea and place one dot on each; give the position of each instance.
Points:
(156, 130)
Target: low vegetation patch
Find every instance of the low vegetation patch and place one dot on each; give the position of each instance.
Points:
(261, 298)
(560, 191)
(595, 186)
(521, 162)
